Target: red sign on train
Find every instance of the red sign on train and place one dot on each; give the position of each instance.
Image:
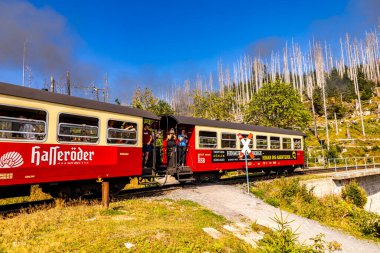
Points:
(34, 155)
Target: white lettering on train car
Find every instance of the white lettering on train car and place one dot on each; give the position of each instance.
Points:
(201, 159)
(53, 155)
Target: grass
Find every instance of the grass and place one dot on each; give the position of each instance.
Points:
(35, 194)
(152, 225)
(288, 194)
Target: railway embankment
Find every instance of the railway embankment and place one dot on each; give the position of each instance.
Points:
(236, 205)
(368, 179)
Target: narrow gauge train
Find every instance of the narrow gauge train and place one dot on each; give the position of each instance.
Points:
(213, 147)
(67, 145)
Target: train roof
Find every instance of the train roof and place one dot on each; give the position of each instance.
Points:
(224, 124)
(41, 95)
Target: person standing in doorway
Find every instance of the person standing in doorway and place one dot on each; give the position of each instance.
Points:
(171, 143)
(182, 147)
(147, 142)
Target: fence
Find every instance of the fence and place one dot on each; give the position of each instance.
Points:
(368, 162)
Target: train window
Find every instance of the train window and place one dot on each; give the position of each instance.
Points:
(19, 123)
(207, 139)
(121, 132)
(297, 143)
(75, 128)
(228, 140)
(261, 142)
(275, 143)
(286, 143)
(250, 145)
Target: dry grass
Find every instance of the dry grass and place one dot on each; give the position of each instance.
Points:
(153, 226)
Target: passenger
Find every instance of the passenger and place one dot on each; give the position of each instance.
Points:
(158, 141)
(40, 129)
(75, 133)
(171, 148)
(6, 129)
(147, 141)
(111, 124)
(112, 134)
(130, 127)
(16, 126)
(130, 134)
(182, 147)
(164, 148)
(27, 130)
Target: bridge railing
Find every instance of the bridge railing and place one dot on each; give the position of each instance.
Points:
(346, 163)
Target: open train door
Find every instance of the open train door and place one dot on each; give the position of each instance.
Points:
(174, 155)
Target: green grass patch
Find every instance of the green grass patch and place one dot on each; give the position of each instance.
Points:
(111, 212)
(289, 194)
(152, 225)
(272, 201)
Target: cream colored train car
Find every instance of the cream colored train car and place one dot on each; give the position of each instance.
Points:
(214, 146)
(65, 143)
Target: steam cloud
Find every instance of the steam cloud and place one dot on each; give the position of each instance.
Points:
(50, 44)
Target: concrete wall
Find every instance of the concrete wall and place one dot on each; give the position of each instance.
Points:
(370, 183)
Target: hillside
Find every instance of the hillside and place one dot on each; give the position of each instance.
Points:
(346, 138)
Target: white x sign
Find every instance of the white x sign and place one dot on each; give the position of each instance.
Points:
(245, 142)
(246, 148)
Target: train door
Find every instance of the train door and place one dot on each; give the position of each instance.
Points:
(150, 139)
(168, 127)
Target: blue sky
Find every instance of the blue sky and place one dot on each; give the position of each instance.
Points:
(153, 43)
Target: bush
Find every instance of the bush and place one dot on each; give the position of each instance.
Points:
(333, 152)
(369, 224)
(333, 210)
(273, 202)
(354, 194)
(258, 192)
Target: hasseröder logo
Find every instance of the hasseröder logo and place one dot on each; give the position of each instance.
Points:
(11, 159)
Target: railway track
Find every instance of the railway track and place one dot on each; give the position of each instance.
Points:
(25, 206)
(157, 190)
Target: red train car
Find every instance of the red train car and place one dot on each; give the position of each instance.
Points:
(214, 146)
(67, 145)
(64, 143)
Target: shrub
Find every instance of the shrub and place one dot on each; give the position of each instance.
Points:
(273, 202)
(258, 192)
(284, 239)
(370, 224)
(289, 189)
(353, 193)
(333, 152)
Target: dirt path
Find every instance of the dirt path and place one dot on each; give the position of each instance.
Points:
(234, 203)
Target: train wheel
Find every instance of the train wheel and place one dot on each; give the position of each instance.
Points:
(198, 178)
(290, 171)
(282, 172)
(118, 185)
(267, 173)
(216, 176)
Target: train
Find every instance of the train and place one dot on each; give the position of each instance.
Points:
(67, 145)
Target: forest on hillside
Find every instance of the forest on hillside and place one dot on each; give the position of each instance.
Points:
(313, 90)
